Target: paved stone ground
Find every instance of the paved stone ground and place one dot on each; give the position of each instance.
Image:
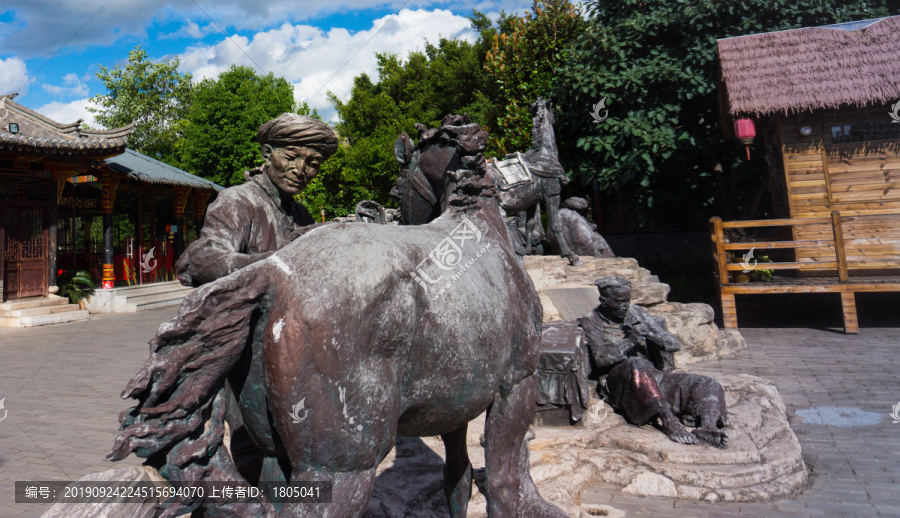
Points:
(61, 386)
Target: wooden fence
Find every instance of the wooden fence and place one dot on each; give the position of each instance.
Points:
(861, 254)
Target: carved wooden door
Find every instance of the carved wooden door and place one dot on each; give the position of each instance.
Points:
(25, 251)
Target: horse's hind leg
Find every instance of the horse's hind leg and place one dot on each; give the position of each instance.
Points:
(349, 495)
(530, 220)
(457, 471)
(510, 490)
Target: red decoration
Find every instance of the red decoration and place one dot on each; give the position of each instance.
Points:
(745, 132)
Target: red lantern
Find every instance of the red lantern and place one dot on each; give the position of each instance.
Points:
(745, 132)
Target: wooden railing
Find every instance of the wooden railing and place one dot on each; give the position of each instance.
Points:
(868, 245)
(836, 258)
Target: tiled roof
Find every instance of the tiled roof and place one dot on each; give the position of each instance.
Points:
(37, 133)
(849, 64)
(148, 170)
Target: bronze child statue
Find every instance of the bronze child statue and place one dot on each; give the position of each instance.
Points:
(632, 351)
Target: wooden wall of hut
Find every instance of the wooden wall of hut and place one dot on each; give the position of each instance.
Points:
(856, 172)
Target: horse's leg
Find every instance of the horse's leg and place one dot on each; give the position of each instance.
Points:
(552, 205)
(529, 227)
(337, 418)
(457, 471)
(510, 490)
(349, 495)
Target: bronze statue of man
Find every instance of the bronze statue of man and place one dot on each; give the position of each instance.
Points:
(247, 223)
(632, 351)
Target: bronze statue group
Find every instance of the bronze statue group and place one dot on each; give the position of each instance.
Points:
(288, 310)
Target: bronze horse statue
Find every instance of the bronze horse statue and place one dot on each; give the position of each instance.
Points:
(548, 177)
(341, 324)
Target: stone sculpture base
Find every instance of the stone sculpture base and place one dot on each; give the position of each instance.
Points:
(762, 462)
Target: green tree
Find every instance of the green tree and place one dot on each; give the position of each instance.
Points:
(303, 108)
(525, 56)
(155, 96)
(444, 78)
(220, 135)
(654, 62)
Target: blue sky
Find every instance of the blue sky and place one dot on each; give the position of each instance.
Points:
(51, 50)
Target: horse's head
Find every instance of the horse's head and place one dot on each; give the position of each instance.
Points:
(434, 174)
(543, 156)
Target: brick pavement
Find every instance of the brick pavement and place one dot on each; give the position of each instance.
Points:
(62, 385)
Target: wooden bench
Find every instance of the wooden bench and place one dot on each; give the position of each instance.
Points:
(868, 260)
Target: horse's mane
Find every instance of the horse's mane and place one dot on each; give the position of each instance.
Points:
(472, 184)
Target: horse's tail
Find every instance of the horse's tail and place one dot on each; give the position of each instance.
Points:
(178, 421)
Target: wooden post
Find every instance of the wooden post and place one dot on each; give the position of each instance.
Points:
(839, 251)
(848, 305)
(718, 240)
(729, 310)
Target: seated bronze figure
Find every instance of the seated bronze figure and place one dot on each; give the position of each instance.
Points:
(632, 353)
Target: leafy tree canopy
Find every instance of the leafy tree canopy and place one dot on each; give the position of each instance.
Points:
(155, 96)
(654, 61)
(220, 135)
(524, 58)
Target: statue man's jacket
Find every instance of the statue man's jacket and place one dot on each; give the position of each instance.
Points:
(245, 224)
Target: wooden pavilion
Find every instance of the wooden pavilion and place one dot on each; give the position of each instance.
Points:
(826, 104)
(77, 199)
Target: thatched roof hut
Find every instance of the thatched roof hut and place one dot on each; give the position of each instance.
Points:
(849, 64)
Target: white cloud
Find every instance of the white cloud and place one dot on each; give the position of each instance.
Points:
(74, 86)
(70, 112)
(13, 75)
(309, 57)
(40, 27)
(192, 29)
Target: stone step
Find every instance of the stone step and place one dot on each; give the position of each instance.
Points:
(42, 310)
(159, 300)
(150, 297)
(132, 308)
(55, 318)
(150, 289)
(37, 302)
(139, 298)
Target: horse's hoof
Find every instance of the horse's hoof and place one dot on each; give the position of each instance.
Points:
(537, 507)
(575, 261)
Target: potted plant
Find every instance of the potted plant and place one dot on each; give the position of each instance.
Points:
(76, 286)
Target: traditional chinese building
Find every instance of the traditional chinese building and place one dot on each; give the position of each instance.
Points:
(826, 103)
(73, 199)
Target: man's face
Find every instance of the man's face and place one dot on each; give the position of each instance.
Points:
(616, 301)
(292, 167)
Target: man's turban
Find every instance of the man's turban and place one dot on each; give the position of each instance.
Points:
(290, 129)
